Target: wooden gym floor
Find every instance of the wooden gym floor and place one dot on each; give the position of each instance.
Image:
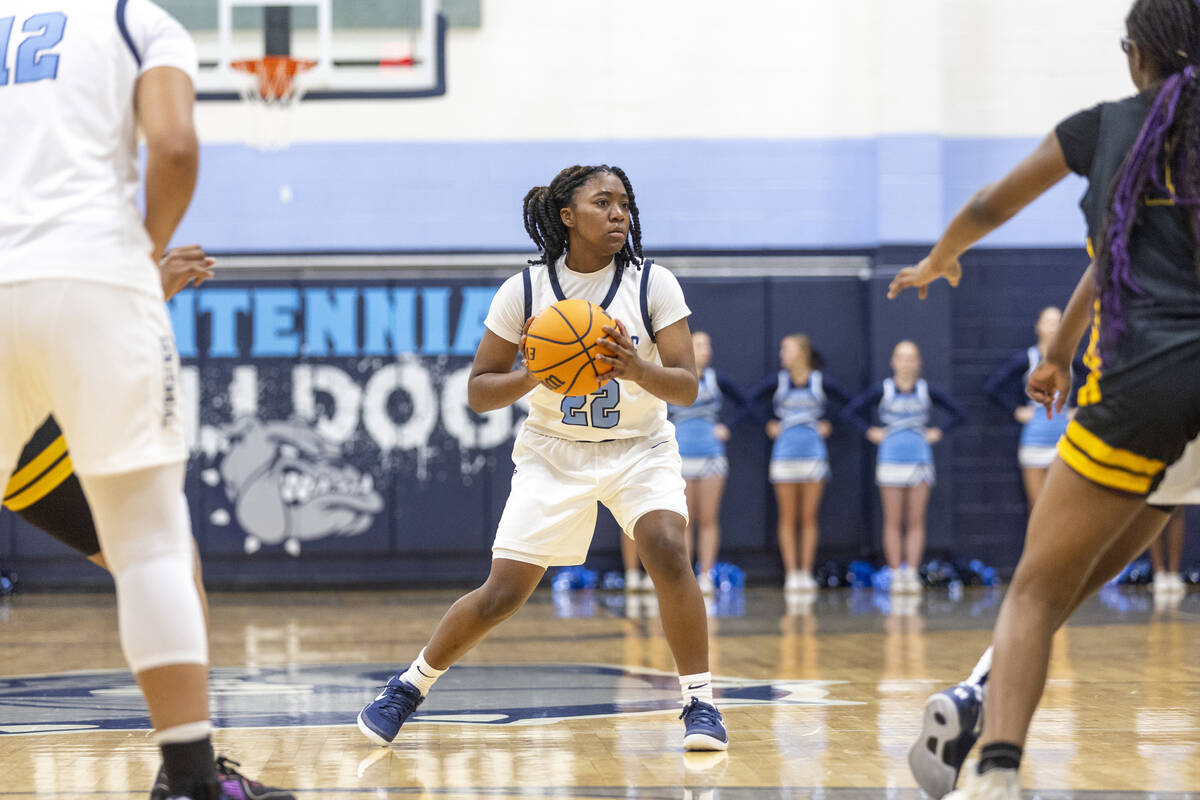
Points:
(575, 697)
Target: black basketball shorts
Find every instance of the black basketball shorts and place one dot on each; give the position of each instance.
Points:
(45, 492)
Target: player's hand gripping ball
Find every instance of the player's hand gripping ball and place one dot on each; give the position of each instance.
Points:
(560, 347)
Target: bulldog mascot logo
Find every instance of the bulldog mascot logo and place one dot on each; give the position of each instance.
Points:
(287, 485)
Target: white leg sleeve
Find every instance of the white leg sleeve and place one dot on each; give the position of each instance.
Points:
(146, 538)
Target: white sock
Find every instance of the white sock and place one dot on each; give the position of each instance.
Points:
(184, 734)
(698, 686)
(980, 673)
(421, 675)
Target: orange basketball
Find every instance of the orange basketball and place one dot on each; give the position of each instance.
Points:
(561, 343)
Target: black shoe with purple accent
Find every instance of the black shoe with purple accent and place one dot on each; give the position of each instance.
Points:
(234, 785)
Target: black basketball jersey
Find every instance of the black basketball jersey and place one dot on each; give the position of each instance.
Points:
(1162, 321)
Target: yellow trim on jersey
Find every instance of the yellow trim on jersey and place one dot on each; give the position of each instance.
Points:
(1170, 182)
(43, 461)
(1103, 476)
(1101, 451)
(1089, 393)
(43, 486)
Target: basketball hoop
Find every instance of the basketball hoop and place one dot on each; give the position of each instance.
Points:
(273, 95)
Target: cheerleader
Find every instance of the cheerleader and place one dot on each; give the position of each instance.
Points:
(1165, 554)
(1039, 434)
(701, 430)
(904, 468)
(799, 426)
(701, 435)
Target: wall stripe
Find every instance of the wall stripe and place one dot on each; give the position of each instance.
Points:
(693, 194)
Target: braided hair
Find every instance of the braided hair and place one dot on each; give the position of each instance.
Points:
(544, 224)
(1167, 32)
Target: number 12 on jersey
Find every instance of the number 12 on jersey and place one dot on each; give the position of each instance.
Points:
(32, 64)
(603, 412)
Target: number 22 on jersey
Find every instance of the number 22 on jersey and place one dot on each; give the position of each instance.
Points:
(32, 63)
(603, 412)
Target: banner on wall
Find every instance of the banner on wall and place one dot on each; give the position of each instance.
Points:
(318, 410)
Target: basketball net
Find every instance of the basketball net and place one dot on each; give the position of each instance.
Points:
(272, 97)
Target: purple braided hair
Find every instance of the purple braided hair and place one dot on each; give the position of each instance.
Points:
(1140, 168)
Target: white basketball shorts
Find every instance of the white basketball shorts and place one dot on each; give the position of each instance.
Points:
(102, 360)
(550, 515)
(1181, 485)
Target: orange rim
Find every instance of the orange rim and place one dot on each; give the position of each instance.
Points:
(275, 73)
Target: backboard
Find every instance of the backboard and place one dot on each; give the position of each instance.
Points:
(363, 49)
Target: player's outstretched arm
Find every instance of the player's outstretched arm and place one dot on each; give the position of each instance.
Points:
(1050, 382)
(493, 382)
(165, 97)
(675, 381)
(990, 207)
(1076, 318)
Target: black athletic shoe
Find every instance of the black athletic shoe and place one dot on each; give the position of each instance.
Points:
(234, 785)
(161, 790)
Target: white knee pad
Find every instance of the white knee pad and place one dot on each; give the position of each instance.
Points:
(146, 538)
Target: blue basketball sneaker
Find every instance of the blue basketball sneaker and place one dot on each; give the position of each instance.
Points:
(380, 721)
(702, 727)
(952, 723)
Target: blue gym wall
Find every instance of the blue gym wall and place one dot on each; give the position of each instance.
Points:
(441, 495)
(694, 195)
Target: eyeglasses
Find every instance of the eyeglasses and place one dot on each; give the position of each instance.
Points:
(1126, 45)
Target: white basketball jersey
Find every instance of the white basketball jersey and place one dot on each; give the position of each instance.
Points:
(68, 188)
(644, 298)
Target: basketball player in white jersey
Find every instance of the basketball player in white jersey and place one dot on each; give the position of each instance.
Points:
(614, 446)
(84, 334)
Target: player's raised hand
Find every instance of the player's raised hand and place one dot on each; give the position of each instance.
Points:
(182, 266)
(624, 358)
(923, 274)
(1050, 385)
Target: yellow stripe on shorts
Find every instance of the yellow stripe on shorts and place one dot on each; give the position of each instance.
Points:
(28, 474)
(1096, 449)
(1101, 475)
(41, 487)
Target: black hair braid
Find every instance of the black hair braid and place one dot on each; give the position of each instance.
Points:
(543, 220)
(1186, 153)
(535, 202)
